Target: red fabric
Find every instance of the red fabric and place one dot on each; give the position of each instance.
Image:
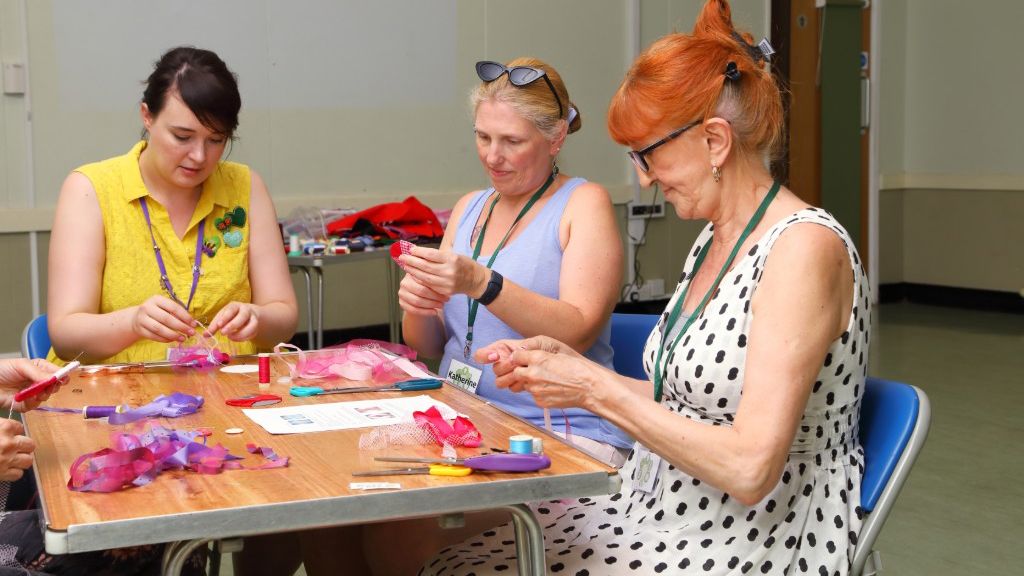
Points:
(406, 219)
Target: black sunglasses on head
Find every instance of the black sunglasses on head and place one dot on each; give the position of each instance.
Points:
(639, 156)
(520, 76)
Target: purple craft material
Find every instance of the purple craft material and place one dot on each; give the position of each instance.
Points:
(99, 411)
(177, 404)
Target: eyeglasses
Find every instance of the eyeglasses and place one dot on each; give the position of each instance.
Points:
(518, 75)
(638, 156)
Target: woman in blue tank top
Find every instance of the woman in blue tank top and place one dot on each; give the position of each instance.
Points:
(536, 253)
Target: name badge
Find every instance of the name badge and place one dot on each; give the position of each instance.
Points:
(647, 471)
(464, 376)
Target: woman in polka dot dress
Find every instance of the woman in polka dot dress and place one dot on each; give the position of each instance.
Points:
(747, 458)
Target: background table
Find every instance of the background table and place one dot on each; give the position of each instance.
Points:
(312, 492)
(311, 266)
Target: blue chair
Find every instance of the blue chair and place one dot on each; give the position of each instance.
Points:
(894, 421)
(629, 335)
(35, 339)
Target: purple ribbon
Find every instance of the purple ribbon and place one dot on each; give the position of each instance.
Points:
(173, 406)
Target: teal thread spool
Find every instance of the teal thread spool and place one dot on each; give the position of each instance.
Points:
(521, 444)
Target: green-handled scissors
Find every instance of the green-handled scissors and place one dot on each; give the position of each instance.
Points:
(404, 386)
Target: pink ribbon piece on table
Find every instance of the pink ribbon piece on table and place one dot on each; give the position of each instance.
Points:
(461, 432)
(135, 460)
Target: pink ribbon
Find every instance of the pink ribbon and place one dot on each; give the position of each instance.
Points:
(135, 460)
(461, 432)
(359, 360)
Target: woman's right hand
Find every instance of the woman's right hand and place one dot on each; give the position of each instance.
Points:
(163, 320)
(416, 298)
(15, 450)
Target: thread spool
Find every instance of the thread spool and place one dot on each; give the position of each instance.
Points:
(101, 411)
(521, 444)
(294, 249)
(538, 446)
(264, 364)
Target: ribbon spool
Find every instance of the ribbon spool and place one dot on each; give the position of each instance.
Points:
(520, 444)
(101, 411)
(264, 365)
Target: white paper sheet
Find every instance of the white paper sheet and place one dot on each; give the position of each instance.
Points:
(344, 415)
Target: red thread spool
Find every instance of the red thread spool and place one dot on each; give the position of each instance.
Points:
(264, 360)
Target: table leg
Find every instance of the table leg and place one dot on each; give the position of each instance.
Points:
(394, 325)
(176, 553)
(529, 541)
(319, 308)
(310, 330)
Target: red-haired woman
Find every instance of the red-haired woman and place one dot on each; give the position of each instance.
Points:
(747, 457)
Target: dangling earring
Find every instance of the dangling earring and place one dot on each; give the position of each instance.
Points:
(716, 173)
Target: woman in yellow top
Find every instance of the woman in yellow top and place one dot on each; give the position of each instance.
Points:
(150, 247)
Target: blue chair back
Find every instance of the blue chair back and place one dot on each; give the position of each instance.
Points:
(629, 335)
(894, 422)
(35, 339)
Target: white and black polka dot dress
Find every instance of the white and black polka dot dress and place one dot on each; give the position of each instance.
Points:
(807, 524)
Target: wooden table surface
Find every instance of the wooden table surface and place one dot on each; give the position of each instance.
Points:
(312, 491)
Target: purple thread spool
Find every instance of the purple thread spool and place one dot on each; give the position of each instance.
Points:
(101, 411)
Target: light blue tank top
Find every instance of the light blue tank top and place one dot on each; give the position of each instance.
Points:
(533, 260)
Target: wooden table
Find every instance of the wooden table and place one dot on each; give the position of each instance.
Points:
(192, 509)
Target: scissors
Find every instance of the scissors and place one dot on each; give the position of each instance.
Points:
(433, 470)
(254, 400)
(487, 463)
(404, 386)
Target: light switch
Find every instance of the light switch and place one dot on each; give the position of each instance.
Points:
(14, 77)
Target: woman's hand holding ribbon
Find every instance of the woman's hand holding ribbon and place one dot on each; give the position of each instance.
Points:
(553, 373)
(238, 321)
(446, 272)
(161, 319)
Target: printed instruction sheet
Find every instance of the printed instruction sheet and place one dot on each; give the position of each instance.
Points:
(344, 415)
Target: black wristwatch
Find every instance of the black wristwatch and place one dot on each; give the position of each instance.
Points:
(493, 288)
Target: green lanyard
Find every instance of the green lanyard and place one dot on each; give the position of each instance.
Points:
(659, 369)
(473, 304)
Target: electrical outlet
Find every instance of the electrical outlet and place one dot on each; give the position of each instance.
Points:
(643, 210)
(652, 289)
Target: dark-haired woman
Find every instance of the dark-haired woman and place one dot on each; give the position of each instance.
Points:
(150, 247)
(747, 459)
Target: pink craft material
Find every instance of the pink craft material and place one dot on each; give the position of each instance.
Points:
(197, 357)
(461, 431)
(358, 360)
(399, 248)
(136, 459)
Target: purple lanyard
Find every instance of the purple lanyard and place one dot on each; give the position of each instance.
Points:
(165, 282)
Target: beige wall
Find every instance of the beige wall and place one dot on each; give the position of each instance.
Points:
(951, 163)
(949, 153)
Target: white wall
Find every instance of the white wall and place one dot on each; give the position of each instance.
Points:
(344, 104)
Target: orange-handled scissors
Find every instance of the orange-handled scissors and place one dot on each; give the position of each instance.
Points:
(433, 470)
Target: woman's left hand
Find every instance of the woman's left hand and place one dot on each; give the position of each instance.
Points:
(552, 372)
(238, 321)
(445, 272)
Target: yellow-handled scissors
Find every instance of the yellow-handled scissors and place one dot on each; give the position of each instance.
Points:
(433, 470)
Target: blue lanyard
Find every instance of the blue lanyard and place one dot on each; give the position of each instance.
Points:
(165, 282)
(473, 304)
(661, 370)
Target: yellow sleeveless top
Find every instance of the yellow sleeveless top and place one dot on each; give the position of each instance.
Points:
(131, 274)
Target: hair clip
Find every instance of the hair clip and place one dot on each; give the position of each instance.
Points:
(572, 114)
(766, 49)
(732, 72)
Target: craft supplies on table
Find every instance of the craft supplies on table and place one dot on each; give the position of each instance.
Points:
(485, 463)
(413, 385)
